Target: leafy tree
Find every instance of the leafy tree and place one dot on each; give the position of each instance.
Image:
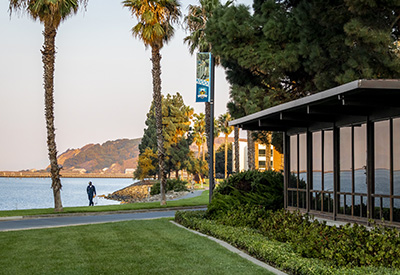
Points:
(154, 29)
(176, 132)
(289, 49)
(146, 165)
(176, 121)
(51, 13)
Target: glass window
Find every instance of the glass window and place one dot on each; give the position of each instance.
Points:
(261, 164)
(302, 161)
(328, 161)
(345, 160)
(317, 163)
(382, 158)
(360, 158)
(396, 157)
(261, 153)
(293, 162)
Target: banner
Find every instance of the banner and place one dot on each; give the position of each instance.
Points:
(203, 72)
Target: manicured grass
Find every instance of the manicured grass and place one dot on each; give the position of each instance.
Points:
(200, 200)
(133, 247)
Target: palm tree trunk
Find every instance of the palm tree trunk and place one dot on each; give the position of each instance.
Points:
(48, 59)
(237, 168)
(156, 72)
(250, 151)
(226, 156)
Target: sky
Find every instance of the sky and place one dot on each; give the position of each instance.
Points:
(103, 84)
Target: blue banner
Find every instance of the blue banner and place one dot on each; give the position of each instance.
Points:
(203, 72)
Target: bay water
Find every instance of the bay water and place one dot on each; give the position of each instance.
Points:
(32, 193)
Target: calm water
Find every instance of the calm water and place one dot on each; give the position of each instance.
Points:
(29, 193)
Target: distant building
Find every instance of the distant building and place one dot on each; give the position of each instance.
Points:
(266, 157)
(79, 170)
(129, 170)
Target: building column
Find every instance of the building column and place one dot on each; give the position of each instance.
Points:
(336, 170)
(370, 168)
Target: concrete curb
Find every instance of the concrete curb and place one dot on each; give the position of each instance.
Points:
(235, 250)
(11, 218)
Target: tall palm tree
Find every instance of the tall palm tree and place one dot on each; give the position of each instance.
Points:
(154, 29)
(50, 13)
(223, 122)
(200, 131)
(217, 131)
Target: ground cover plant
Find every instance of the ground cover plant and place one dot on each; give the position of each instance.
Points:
(133, 247)
(283, 255)
(203, 199)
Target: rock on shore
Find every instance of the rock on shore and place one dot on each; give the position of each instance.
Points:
(140, 192)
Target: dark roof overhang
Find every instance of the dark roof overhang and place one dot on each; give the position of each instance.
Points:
(351, 103)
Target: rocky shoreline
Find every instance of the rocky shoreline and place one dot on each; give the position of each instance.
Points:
(140, 192)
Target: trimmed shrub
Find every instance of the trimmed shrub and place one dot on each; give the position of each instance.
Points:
(171, 185)
(261, 189)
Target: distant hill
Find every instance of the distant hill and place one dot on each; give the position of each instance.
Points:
(110, 157)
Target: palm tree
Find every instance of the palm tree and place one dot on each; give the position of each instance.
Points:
(223, 122)
(217, 131)
(154, 29)
(51, 13)
(200, 132)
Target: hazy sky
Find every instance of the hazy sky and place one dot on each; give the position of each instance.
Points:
(103, 84)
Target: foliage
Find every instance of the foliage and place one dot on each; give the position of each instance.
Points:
(220, 161)
(280, 254)
(177, 138)
(175, 185)
(263, 189)
(146, 165)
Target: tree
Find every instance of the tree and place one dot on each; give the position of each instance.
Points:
(176, 126)
(199, 133)
(217, 131)
(154, 29)
(223, 122)
(289, 49)
(220, 161)
(195, 23)
(146, 165)
(50, 14)
(176, 133)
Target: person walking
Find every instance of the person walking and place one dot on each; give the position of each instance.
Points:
(91, 191)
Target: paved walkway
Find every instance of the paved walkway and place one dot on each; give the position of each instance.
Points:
(49, 221)
(192, 194)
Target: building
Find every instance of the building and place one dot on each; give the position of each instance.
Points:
(265, 158)
(342, 150)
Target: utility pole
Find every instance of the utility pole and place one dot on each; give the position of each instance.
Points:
(211, 134)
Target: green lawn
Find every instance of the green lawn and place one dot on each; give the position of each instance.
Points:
(133, 247)
(200, 200)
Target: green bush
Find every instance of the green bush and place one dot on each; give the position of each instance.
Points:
(261, 189)
(171, 185)
(279, 254)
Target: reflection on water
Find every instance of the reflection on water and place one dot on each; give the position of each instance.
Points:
(30, 193)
